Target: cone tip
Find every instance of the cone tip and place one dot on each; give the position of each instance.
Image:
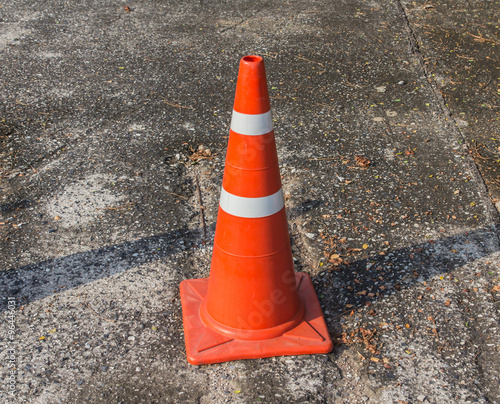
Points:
(252, 66)
(251, 58)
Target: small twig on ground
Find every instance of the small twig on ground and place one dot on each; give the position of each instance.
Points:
(271, 56)
(312, 61)
(465, 57)
(180, 196)
(434, 330)
(119, 207)
(85, 304)
(202, 209)
(481, 38)
(178, 106)
(323, 158)
(402, 280)
(475, 151)
(177, 317)
(390, 387)
(185, 197)
(350, 84)
(486, 84)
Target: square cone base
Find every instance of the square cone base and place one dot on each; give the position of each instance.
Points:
(204, 345)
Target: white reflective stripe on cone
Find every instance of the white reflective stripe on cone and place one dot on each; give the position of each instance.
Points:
(252, 125)
(251, 207)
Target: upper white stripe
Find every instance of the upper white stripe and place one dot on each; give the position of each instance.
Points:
(252, 125)
(251, 207)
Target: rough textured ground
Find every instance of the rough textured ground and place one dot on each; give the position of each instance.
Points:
(387, 129)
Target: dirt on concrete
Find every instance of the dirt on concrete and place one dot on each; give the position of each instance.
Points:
(389, 180)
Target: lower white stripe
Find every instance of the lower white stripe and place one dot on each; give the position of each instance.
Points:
(252, 125)
(251, 207)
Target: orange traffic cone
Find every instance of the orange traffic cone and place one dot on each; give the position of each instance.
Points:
(253, 305)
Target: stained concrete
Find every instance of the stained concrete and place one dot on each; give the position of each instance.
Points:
(389, 192)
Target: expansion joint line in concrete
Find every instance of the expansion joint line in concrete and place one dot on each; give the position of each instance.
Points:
(474, 169)
(415, 50)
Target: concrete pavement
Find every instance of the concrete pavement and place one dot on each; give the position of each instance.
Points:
(390, 181)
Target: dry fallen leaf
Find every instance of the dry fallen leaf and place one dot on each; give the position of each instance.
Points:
(362, 162)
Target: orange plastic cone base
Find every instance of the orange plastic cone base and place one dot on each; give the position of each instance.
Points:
(205, 345)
